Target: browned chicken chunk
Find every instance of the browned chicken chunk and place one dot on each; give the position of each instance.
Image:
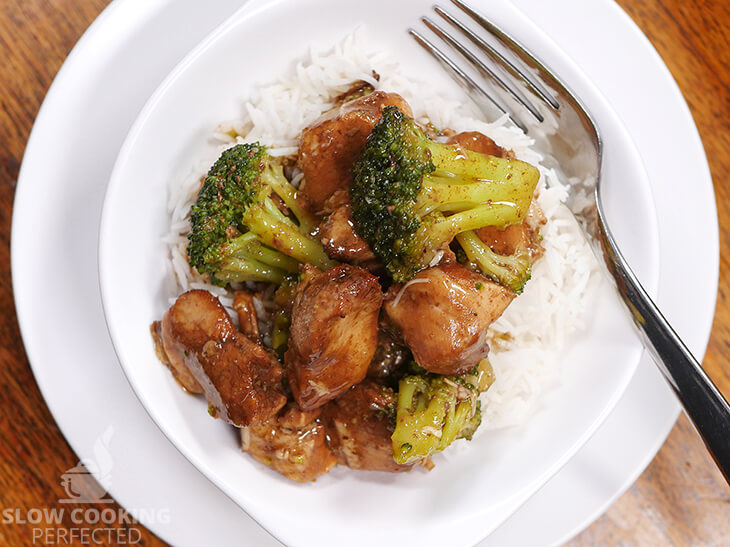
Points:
(331, 144)
(443, 314)
(294, 443)
(176, 363)
(525, 235)
(335, 201)
(337, 234)
(241, 380)
(333, 333)
(477, 142)
(360, 427)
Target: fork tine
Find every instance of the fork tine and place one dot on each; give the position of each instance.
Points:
(511, 44)
(483, 68)
(463, 78)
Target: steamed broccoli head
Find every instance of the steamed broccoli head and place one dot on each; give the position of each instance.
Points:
(433, 411)
(227, 190)
(411, 196)
(238, 231)
(386, 183)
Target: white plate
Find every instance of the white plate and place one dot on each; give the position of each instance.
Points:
(77, 111)
(471, 491)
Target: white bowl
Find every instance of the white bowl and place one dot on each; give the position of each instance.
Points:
(471, 491)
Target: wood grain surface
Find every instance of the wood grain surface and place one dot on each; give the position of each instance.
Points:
(681, 499)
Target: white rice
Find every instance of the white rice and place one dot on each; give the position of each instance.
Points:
(535, 328)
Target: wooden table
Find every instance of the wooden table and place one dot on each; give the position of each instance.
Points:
(681, 499)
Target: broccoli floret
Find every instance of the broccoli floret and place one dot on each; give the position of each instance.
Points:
(512, 271)
(238, 232)
(432, 412)
(411, 195)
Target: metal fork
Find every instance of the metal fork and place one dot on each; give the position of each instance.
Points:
(532, 95)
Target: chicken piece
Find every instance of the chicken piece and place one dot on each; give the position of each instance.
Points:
(335, 201)
(179, 370)
(330, 145)
(477, 142)
(333, 333)
(248, 322)
(443, 314)
(337, 234)
(525, 235)
(360, 425)
(241, 380)
(245, 381)
(294, 443)
(504, 241)
(389, 355)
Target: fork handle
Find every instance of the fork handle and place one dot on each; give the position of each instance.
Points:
(703, 403)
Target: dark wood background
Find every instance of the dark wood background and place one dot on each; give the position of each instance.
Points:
(681, 499)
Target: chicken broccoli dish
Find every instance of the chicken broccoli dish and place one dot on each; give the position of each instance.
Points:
(365, 270)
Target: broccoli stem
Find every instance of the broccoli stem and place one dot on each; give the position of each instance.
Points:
(456, 417)
(512, 271)
(448, 197)
(280, 332)
(234, 270)
(247, 246)
(450, 159)
(276, 213)
(492, 214)
(283, 302)
(464, 179)
(415, 412)
(274, 176)
(282, 235)
(436, 230)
